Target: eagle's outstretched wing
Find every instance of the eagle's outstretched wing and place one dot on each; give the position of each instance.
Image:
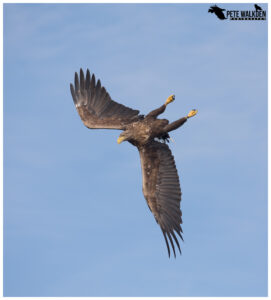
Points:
(95, 106)
(161, 188)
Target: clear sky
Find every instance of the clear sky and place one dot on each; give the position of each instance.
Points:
(75, 219)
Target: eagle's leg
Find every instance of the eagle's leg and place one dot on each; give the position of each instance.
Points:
(175, 125)
(180, 122)
(156, 112)
(161, 109)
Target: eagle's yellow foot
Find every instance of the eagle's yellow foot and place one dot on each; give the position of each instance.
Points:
(192, 113)
(170, 99)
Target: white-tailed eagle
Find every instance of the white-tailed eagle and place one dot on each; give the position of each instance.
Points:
(161, 186)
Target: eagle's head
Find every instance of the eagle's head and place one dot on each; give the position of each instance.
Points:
(124, 136)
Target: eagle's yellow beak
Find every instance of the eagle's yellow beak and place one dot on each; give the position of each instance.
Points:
(120, 139)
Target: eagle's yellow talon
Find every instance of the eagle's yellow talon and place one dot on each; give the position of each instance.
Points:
(170, 99)
(192, 113)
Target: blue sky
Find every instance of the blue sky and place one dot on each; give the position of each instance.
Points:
(75, 220)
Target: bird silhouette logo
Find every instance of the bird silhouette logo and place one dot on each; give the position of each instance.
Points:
(257, 13)
(217, 11)
(257, 7)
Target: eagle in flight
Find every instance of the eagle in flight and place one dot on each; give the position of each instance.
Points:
(161, 186)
